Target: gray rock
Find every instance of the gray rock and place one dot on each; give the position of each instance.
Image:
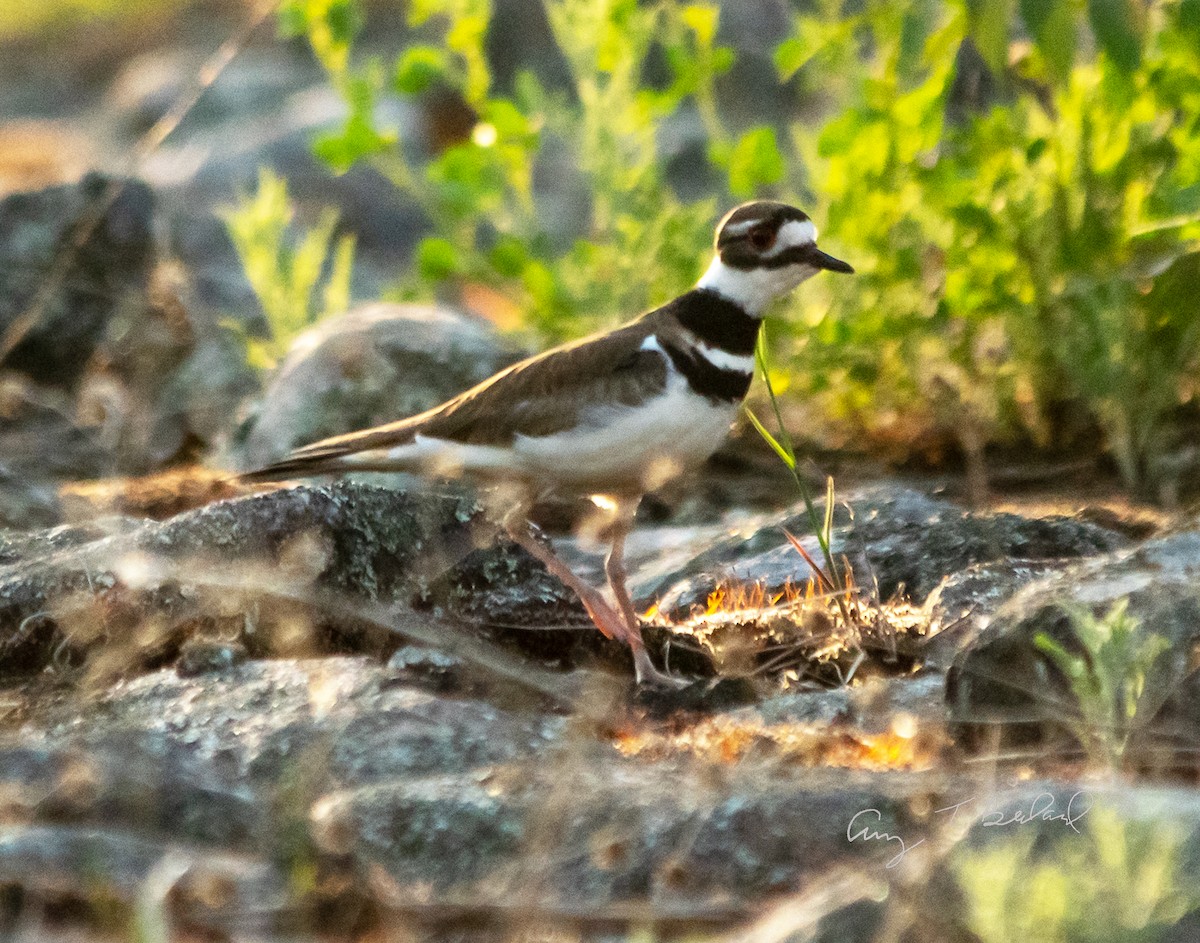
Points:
(900, 539)
(376, 364)
(1003, 685)
(332, 767)
(114, 869)
(290, 571)
(220, 771)
(964, 603)
(588, 838)
(366, 542)
(77, 257)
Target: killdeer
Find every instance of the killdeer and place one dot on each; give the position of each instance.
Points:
(610, 417)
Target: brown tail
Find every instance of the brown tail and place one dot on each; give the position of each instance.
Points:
(301, 464)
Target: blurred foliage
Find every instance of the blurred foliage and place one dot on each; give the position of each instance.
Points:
(1017, 182)
(24, 17)
(286, 267)
(1021, 252)
(1119, 880)
(1106, 670)
(640, 243)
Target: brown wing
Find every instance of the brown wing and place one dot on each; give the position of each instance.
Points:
(536, 397)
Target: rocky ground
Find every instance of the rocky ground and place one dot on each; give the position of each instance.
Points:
(354, 709)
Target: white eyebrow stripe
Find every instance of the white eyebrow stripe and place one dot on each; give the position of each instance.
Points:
(736, 229)
(795, 232)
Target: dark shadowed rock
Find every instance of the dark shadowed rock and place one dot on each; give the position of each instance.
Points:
(373, 365)
(110, 370)
(1003, 688)
(898, 538)
(285, 571)
(73, 258)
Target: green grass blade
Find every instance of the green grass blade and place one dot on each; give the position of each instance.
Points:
(783, 453)
(786, 450)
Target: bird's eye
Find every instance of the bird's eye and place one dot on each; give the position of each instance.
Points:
(761, 239)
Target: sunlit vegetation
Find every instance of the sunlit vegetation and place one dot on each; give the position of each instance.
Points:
(1017, 185)
(806, 634)
(1106, 664)
(1121, 879)
(298, 276)
(22, 18)
(730, 740)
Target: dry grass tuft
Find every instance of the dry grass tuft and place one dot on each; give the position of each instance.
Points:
(806, 633)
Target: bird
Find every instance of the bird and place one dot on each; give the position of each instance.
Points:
(610, 417)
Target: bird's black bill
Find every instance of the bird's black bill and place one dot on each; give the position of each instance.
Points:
(829, 263)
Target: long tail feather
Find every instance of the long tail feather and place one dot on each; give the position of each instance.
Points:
(310, 465)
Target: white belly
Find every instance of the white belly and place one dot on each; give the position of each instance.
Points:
(619, 448)
(649, 444)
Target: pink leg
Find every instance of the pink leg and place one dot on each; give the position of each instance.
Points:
(614, 569)
(621, 625)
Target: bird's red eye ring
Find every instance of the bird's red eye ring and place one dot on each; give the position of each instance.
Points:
(762, 238)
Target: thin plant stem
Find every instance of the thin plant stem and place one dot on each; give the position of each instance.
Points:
(786, 450)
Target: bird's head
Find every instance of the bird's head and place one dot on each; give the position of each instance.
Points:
(764, 250)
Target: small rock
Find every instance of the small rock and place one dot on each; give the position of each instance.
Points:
(208, 656)
(375, 364)
(963, 604)
(658, 836)
(439, 668)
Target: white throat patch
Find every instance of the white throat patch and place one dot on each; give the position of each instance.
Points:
(753, 289)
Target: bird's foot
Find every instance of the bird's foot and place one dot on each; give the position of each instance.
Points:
(648, 675)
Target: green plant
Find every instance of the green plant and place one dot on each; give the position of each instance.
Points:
(1023, 212)
(783, 446)
(285, 267)
(1016, 253)
(1120, 880)
(1107, 676)
(636, 243)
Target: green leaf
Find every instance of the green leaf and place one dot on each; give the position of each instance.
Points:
(437, 259)
(292, 19)
(508, 256)
(1118, 26)
(344, 19)
(755, 161)
(337, 289)
(1052, 23)
(341, 150)
(509, 121)
(358, 137)
(775, 444)
(989, 22)
(702, 18)
(790, 57)
(722, 60)
(418, 69)
(1189, 18)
